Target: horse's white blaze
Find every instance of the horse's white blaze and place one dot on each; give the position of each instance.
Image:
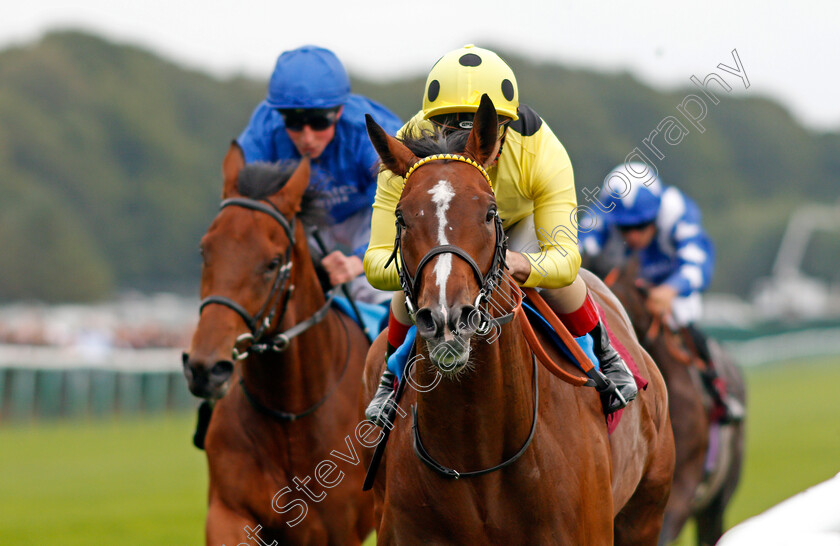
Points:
(442, 195)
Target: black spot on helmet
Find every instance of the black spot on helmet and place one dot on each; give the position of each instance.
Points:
(434, 89)
(470, 59)
(507, 89)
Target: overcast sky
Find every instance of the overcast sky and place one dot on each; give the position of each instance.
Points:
(789, 50)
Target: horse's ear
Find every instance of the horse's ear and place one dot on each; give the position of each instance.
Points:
(394, 154)
(485, 130)
(233, 163)
(292, 192)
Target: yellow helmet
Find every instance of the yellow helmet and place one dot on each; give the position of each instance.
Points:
(459, 78)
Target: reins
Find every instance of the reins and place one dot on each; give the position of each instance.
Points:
(424, 456)
(285, 416)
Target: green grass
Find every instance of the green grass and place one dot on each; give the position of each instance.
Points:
(793, 435)
(140, 482)
(126, 482)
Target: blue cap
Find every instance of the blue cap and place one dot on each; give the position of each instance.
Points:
(308, 77)
(636, 199)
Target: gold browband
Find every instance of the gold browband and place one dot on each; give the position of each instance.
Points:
(454, 157)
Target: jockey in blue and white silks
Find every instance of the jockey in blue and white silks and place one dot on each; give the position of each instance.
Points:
(309, 111)
(664, 227)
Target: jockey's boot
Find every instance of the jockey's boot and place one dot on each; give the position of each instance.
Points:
(586, 321)
(727, 409)
(382, 407)
(614, 368)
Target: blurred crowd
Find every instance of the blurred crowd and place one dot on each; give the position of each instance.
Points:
(132, 322)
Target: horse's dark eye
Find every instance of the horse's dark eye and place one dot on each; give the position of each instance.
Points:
(400, 219)
(273, 264)
(491, 214)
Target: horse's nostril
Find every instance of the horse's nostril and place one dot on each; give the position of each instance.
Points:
(465, 321)
(222, 368)
(427, 323)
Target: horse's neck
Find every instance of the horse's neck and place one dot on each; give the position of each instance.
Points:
(634, 303)
(298, 377)
(485, 415)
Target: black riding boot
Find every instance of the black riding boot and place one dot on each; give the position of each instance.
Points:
(614, 368)
(383, 400)
(727, 408)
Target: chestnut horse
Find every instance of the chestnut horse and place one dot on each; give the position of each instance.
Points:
(501, 453)
(286, 412)
(702, 488)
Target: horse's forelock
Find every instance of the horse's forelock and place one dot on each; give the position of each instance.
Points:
(260, 180)
(426, 142)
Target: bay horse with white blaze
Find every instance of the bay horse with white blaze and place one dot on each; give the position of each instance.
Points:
(500, 453)
(705, 477)
(284, 367)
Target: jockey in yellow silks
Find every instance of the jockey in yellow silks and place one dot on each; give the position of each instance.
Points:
(534, 186)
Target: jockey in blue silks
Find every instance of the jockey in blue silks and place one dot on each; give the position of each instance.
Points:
(309, 111)
(662, 226)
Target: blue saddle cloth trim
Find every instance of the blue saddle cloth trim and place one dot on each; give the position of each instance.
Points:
(585, 342)
(398, 360)
(375, 317)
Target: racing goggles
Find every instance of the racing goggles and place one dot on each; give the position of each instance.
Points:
(463, 121)
(318, 119)
(634, 227)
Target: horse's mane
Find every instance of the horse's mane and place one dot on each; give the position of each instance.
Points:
(261, 179)
(426, 142)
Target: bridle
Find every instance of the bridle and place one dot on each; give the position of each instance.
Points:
(260, 323)
(487, 282)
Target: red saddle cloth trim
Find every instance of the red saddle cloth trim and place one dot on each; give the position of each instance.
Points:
(642, 383)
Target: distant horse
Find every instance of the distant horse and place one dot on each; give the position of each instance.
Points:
(497, 454)
(294, 399)
(704, 479)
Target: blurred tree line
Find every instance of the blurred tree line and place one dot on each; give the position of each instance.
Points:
(111, 157)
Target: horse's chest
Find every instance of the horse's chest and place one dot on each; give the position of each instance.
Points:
(543, 498)
(520, 507)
